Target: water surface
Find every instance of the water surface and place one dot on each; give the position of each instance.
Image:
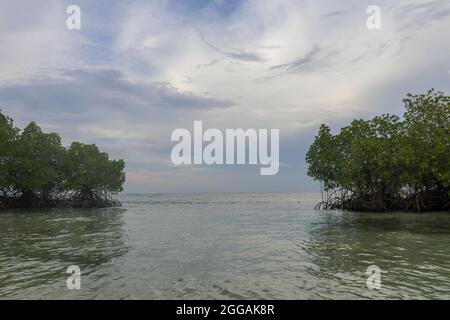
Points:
(223, 246)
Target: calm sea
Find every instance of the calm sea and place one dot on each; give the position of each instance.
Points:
(223, 246)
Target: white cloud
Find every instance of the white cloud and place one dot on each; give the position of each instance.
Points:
(287, 64)
(327, 64)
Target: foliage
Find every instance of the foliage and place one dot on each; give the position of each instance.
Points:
(8, 138)
(37, 165)
(36, 170)
(89, 172)
(387, 163)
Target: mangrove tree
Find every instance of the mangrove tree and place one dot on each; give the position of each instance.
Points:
(36, 170)
(388, 162)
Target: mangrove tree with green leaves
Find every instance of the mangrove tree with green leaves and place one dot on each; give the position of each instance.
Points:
(387, 163)
(36, 170)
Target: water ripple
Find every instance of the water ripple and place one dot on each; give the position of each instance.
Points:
(230, 246)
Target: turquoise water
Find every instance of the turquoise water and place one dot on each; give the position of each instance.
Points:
(223, 246)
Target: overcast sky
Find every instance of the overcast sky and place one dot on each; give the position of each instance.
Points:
(137, 70)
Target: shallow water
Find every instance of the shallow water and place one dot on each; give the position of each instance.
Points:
(223, 246)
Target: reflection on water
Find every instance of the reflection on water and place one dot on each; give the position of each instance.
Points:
(410, 248)
(37, 246)
(249, 246)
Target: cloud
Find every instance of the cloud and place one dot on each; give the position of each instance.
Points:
(139, 69)
(312, 60)
(334, 14)
(237, 54)
(413, 16)
(81, 90)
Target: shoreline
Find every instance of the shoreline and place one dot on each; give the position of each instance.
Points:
(80, 204)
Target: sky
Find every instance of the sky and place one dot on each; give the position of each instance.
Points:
(137, 70)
